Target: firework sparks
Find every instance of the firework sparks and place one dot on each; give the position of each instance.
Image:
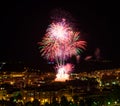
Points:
(59, 31)
(60, 43)
(63, 72)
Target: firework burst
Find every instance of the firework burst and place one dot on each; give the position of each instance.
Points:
(63, 72)
(60, 43)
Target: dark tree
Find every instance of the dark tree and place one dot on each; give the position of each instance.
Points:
(64, 101)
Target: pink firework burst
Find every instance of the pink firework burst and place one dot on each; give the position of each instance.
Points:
(63, 72)
(59, 30)
(60, 42)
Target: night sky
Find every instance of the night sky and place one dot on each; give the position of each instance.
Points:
(23, 23)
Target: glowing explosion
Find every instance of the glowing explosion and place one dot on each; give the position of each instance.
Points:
(63, 72)
(60, 43)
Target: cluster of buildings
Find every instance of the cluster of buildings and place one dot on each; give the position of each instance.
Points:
(31, 84)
